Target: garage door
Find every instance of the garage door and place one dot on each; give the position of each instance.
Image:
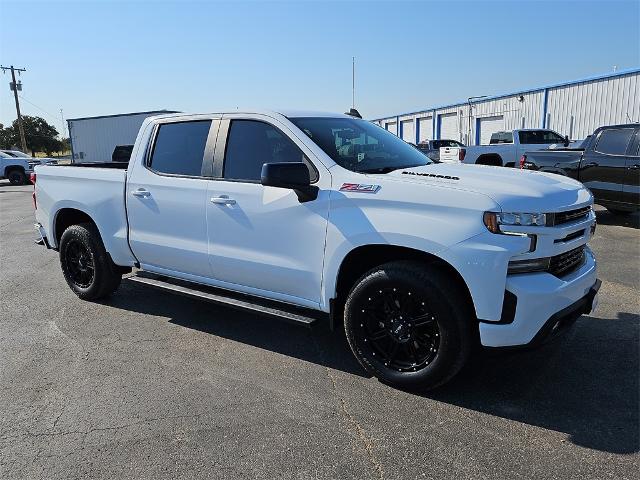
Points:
(487, 126)
(392, 127)
(448, 126)
(408, 131)
(426, 128)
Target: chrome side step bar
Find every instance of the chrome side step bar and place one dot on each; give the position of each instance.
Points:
(291, 313)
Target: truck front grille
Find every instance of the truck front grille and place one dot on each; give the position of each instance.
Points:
(566, 262)
(565, 217)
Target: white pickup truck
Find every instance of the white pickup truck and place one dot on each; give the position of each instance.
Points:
(14, 169)
(504, 149)
(313, 216)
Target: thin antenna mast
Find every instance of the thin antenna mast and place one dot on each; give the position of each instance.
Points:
(353, 82)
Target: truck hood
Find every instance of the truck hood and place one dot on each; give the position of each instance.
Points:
(513, 189)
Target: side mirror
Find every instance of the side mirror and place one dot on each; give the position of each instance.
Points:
(566, 141)
(292, 175)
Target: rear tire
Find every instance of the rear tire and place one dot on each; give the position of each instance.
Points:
(17, 177)
(86, 265)
(408, 325)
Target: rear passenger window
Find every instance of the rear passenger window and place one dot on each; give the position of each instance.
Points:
(501, 137)
(179, 148)
(539, 137)
(614, 141)
(251, 144)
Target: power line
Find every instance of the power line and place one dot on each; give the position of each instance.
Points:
(51, 115)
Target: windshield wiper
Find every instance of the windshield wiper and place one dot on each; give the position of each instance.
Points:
(380, 170)
(386, 169)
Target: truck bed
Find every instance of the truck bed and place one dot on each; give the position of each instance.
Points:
(93, 189)
(563, 162)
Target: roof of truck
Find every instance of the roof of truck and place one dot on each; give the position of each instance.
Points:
(284, 112)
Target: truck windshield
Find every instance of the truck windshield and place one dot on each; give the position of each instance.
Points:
(360, 146)
(15, 153)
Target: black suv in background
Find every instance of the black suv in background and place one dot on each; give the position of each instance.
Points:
(608, 163)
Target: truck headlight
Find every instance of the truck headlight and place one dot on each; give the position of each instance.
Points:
(493, 220)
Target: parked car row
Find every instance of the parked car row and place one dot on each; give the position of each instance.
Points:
(607, 162)
(505, 148)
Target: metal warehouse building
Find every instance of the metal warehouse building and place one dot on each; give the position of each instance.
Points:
(94, 138)
(573, 108)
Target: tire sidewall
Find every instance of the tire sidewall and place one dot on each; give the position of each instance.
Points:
(83, 235)
(448, 317)
(16, 177)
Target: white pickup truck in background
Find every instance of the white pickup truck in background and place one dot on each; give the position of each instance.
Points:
(310, 216)
(504, 149)
(14, 169)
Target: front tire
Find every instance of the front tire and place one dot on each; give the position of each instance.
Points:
(17, 177)
(409, 325)
(86, 265)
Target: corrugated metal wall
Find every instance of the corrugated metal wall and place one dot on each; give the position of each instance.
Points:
(575, 109)
(425, 127)
(94, 139)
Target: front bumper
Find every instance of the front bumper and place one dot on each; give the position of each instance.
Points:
(544, 305)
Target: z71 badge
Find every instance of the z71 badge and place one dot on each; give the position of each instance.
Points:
(359, 187)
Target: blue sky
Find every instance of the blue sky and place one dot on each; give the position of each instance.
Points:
(95, 58)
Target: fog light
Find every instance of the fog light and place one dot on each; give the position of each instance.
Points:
(528, 266)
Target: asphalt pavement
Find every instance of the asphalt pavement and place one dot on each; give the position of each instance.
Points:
(151, 385)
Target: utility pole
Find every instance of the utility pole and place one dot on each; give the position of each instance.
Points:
(64, 126)
(14, 87)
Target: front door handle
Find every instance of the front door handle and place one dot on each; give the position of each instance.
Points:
(223, 200)
(141, 193)
(635, 166)
(589, 165)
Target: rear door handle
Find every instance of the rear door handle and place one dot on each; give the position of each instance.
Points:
(634, 166)
(223, 200)
(141, 193)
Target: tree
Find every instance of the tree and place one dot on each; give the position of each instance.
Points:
(40, 135)
(6, 140)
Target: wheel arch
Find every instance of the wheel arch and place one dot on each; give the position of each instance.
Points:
(363, 258)
(66, 217)
(492, 159)
(10, 168)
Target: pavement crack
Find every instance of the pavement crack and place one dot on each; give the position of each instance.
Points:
(91, 430)
(356, 428)
(57, 419)
(352, 423)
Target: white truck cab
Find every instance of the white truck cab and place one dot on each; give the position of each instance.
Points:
(307, 215)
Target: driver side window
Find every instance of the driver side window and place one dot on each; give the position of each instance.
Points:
(251, 143)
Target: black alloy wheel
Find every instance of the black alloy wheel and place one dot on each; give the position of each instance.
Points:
(79, 262)
(86, 265)
(398, 328)
(17, 177)
(410, 324)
